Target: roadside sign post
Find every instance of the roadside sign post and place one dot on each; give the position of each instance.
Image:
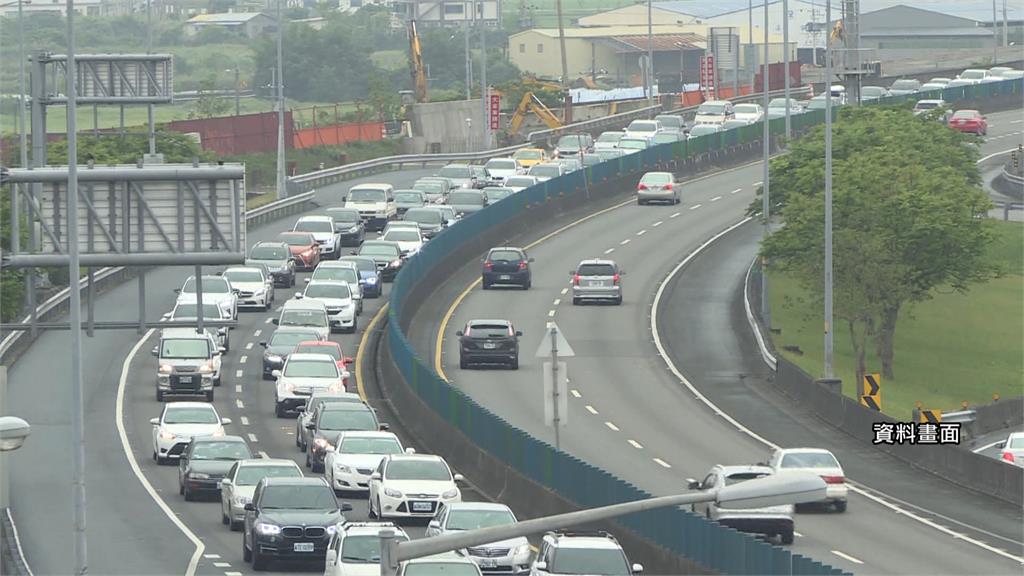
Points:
(871, 391)
(556, 379)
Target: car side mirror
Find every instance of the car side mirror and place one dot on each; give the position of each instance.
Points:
(275, 373)
(346, 507)
(177, 290)
(306, 280)
(250, 507)
(692, 484)
(222, 330)
(275, 321)
(384, 426)
(155, 351)
(221, 350)
(225, 482)
(572, 272)
(354, 252)
(410, 450)
(459, 333)
(434, 524)
(166, 316)
(154, 421)
(298, 295)
(1001, 445)
(263, 343)
(638, 568)
(622, 272)
(332, 556)
(375, 476)
(458, 477)
(519, 332)
(541, 566)
(311, 426)
(225, 421)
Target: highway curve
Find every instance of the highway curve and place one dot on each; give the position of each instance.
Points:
(630, 416)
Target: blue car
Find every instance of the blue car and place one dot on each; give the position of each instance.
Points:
(369, 277)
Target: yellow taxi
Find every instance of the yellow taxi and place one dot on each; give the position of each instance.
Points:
(528, 157)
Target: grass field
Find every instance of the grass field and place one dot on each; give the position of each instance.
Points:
(953, 348)
(390, 59)
(544, 15)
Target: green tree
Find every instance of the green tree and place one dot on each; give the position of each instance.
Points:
(210, 104)
(907, 219)
(112, 149)
(384, 101)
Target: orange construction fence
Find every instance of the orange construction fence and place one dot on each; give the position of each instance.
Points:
(696, 97)
(336, 134)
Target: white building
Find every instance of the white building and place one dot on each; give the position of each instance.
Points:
(82, 7)
(449, 12)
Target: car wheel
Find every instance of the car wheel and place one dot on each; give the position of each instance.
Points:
(159, 395)
(575, 301)
(259, 562)
(279, 410)
(355, 326)
(639, 202)
(246, 552)
(514, 364)
(309, 463)
(223, 516)
(528, 285)
(618, 301)
(787, 536)
(841, 506)
(485, 285)
(235, 526)
(181, 488)
(463, 364)
(266, 306)
(209, 396)
(188, 494)
(216, 381)
(369, 509)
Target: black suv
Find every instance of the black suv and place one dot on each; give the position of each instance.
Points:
(506, 265)
(206, 461)
(290, 519)
(332, 418)
(277, 257)
(489, 342)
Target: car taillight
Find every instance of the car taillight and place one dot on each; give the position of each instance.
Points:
(511, 332)
(1008, 456)
(576, 279)
(488, 265)
(641, 186)
(522, 264)
(615, 279)
(668, 186)
(833, 479)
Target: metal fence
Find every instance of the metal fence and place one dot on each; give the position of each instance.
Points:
(719, 548)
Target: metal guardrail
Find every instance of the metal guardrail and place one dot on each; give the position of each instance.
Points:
(1008, 206)
(962, 416)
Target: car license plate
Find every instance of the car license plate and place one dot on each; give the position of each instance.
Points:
(504, 277)
(490, 345)
(422, 506)
(595, 283)
(185, 379)
(488, 563)
(303, 547)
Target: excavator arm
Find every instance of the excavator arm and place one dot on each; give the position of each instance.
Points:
(416, 68)
(530, 103)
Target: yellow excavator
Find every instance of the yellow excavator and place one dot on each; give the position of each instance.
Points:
(416, 69)
(530, 103)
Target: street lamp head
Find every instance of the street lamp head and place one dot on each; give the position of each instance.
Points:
(13, 432)
(774, 490)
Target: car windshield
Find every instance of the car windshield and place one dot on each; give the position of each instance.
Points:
(480, 330)
(926, 105)
(475, 519)
(972, 75)
(524, 182)
(314, 226)
(340, 291)
(303, 318)
(269, 253)
(184, 348)
(546, 170)
(642, 126)
(363, 264)
(505, 256)
(189, 415)
(495, 194)
(189, 311)
(429, 187)
(380, 250)
(417, 470)
(670, 121)
(331, 350)
(451, 171)
(529, 155)
(366, 196)
(665, 138)
(243, 276)
(780, 103)
(570, 141)
(596, 270)
(466, 198)
(402, 236)
(747, 109)
(370, 446)
(500, 164)
(291, 338)
(968, 114)
(597, 561)
(440, 568)
(423, 216)
(296, 239)
(905, 85)
(334, 273)
(872, 91)
(310, 369)
(741, 476)
(250, 475)
(211, 285)
(409, 197)
(220, 450)
(364, 548)
(809, 460)
(711, 108)
(632, 144)
(610, 137)
(347, 420)
(657, 178)
(315, 497)
(1016, 442)
(703, 130)
(345, 216)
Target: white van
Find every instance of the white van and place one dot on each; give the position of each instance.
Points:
(375, 202)
(714, 112)
(311, 314)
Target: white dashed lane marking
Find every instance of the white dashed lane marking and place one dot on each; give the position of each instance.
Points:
(641, 233)
(248, 346)
(564, 291)
(244, 420)
(677, 214)
(695, 206)
(635, 444)
(238, 373)
(252, 437)
(257, 333)
(551, 313)
(239, 404)
(609, 251)
(658, 223)
(612, 426)
(736, 191)
(243, 359)
(556, 302)
(591, 409)
(846, 557)
(575, 393)
(264, 455)
(758, 183)
(211, 556)
(268, 320)
(624, 242)
(232, 574)
(797, 534)
(662, 463)
(238, 387)
(222, 564)
(716, 198)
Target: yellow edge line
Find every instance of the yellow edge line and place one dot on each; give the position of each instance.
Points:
(361, 352)
(462, 296)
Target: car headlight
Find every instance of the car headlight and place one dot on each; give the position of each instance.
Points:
(353, 229)
(218, 432)
(392, 493)
(239, 500)
(395, 263)
(450, 494)
(288, 386)
(259, 293)
(332, 529)
(206, 368)
(282, 270)
(166, 368)
(521, 550)
(164, 435)
(199, 475)
(341, 468)
(273, 358)
(267, 529)
(371, 280)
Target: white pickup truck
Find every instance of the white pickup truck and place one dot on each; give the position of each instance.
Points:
(375, 202)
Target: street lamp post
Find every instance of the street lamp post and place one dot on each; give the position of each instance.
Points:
(828, 194)
(785, 64)
(766, 195)
(237, 83)
(282, 191)
(649, 80)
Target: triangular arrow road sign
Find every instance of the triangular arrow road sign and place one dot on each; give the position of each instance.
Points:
(872, 382)
(562, 345)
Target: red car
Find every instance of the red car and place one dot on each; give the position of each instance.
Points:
(332, 349)
(969, 121)
(305, 249)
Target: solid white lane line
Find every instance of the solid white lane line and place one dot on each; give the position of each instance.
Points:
(248, 346)
(612, 426)
(609, 251)
(556, 302)
(238, 388)
(122, 434)
(658, 223)
(736, 191)
(1016, 121)
(641, 233)
(675, 215)
(846, 557)
(758, 183)
(695, 206)
(716, 198)
(257, 333)
(244, 420)
(662, 463)
(268, 320)
(239, 404)
(551, 313)
(624, 242)
(575, 393)
(590, 409)
(252, 437)
(211, 556)
(986, 446)
(565, 291)
(635, 444)
(243, 359)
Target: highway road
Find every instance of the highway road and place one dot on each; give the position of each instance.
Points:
(630, 416)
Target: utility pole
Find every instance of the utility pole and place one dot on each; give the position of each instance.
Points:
(238, 104)
(485, 100)
(469, 61)
(766, 195)
(828, 194)
(282, 185)
(995, 35)
(151, 126)
(1006, 27)
(75, 308)
(785, 65)
(649, 80)
(750, 45)
(561, 45)
(22, 100)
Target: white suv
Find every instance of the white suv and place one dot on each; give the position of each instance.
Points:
(216, 290)
(584, 553)
(354, 549)
(322, 229)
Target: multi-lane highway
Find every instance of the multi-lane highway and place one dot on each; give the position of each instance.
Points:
(629, 415)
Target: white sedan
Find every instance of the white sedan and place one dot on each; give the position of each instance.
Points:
(412, 485)
(409, 239)
(237, 487)
(301, 376)
(816, 461)
(254, 289)
(1012, 449)
(749, 113)
(216, 290)
(338, 298)
(179, 423)
(356, 455)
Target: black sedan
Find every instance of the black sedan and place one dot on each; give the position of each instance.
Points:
(387, 255)
(205, 463)
(489, 342)
(506, 266)
(282, 343)
(348, 225)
